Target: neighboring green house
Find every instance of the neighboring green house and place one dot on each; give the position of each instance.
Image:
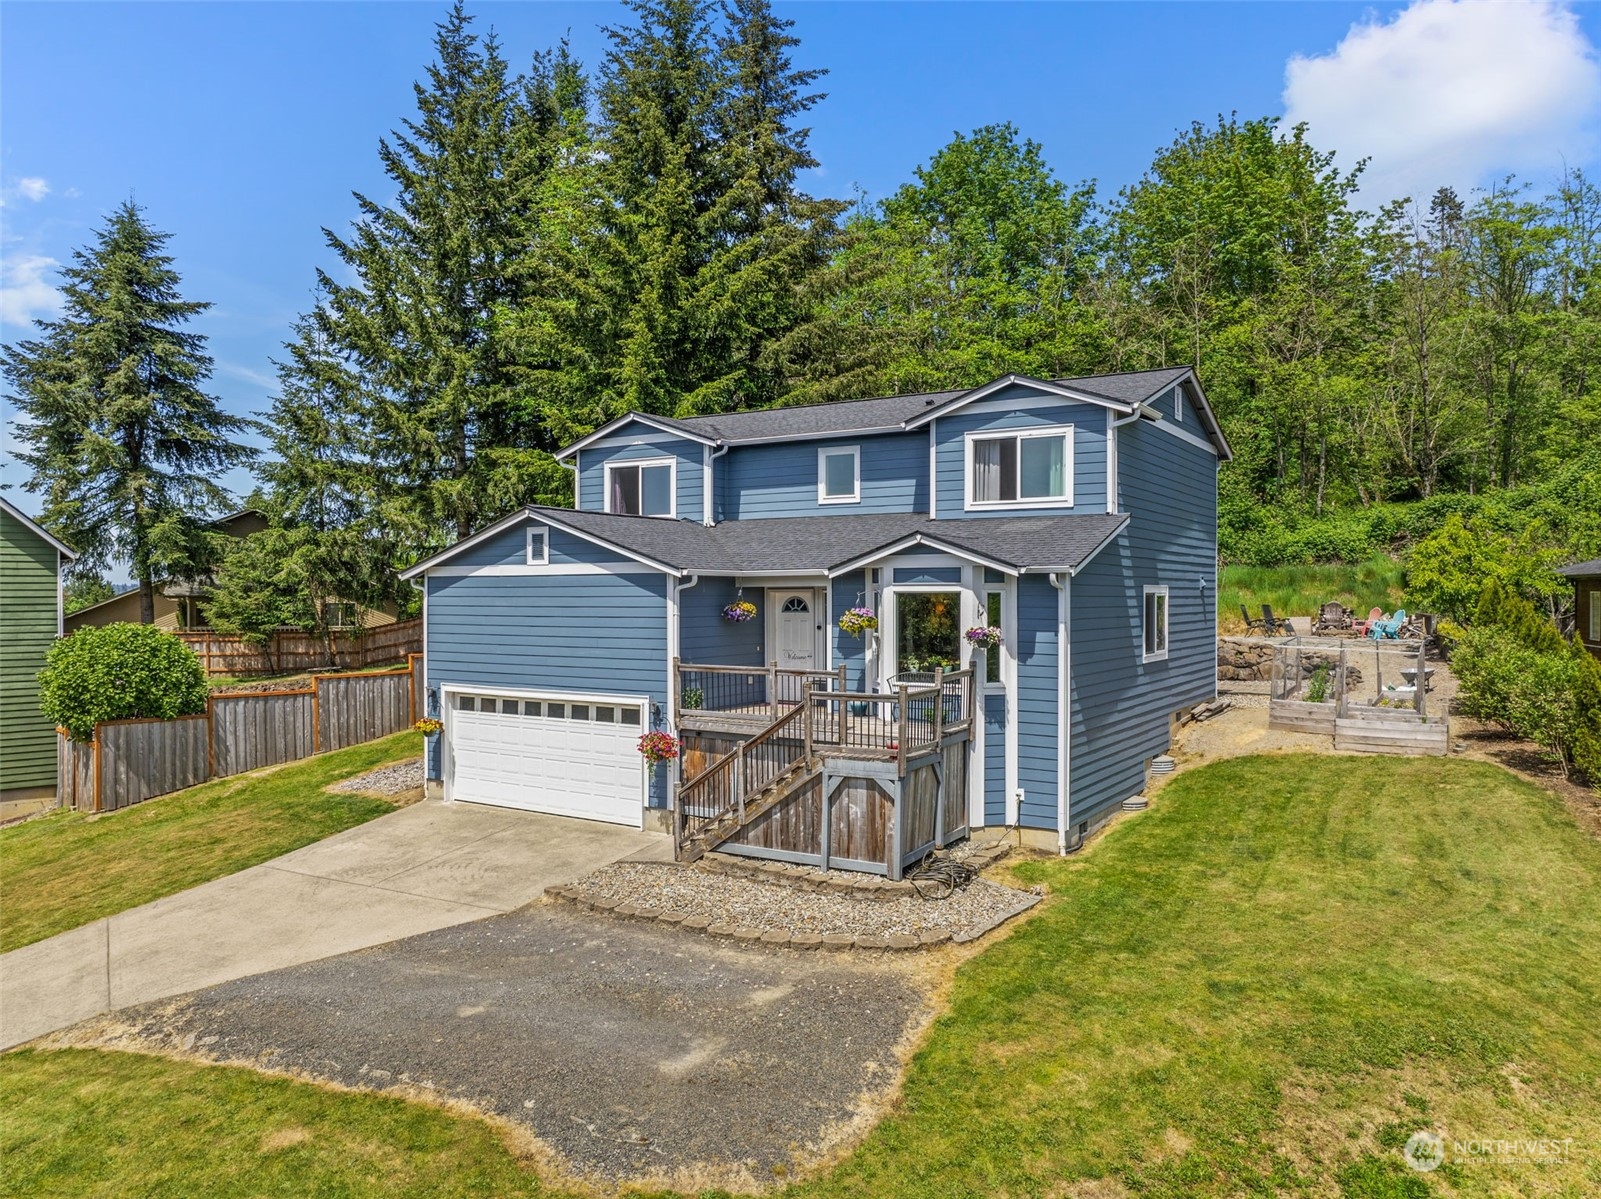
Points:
(31, 562)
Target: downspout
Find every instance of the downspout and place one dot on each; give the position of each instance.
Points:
(1064, 715)
(1111, 455)
(578, 500)
(708, 490)
(675, 623)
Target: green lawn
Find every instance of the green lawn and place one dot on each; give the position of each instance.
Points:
(66, 869)
(1302, 590)
(1262, 986)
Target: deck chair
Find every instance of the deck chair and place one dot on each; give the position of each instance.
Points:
(1332, 617)
(1252, 625)
(1274, 624)
(1391, 628)
(1362, 626)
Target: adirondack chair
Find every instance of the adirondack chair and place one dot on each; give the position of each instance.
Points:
(1391, 628)
(1251, 625)
(1275, 624)
(1332, 618)
(1362, 626)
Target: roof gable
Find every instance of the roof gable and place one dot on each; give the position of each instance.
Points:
(33, 526)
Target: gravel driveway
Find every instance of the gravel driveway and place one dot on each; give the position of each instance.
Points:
(634, 1051)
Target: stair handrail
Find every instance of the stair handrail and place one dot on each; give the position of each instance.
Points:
(724, 786)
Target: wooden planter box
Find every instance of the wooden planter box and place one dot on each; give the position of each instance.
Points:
(1299, 716)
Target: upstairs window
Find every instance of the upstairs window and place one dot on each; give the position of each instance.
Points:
(839, 475)
(337, 614)
(1155, 624)
(641, 488)
(1032, 468)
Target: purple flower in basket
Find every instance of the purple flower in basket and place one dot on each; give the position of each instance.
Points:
(858, 621)
(983, 636)
(740, 610)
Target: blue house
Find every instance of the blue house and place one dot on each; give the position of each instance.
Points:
(799, 598)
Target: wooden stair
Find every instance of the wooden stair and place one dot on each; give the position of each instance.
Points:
(709, 836)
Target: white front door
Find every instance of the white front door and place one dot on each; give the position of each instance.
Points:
(795, 629)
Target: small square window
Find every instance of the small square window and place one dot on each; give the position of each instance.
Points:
(629, 716)
(556, 711)
(839, 475)
(606, 715)
(532, 707)
(538, 547)
(580, 711)
(466, 703)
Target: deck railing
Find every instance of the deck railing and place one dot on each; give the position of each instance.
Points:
(897, 726)
(757, 691)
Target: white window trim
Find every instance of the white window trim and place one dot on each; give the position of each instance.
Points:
(1167, 622)
(630, 463)
(969, 504)
(541, 534)
(985, 590)
(855, 497)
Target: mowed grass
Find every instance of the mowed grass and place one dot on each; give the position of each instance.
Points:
(1261, 986)
(66, 869)
(1302, 590)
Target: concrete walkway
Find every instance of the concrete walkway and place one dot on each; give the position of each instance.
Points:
(424, 867)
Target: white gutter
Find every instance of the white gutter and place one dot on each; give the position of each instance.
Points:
(1064, 716)
(1111, 454)
(708, 508)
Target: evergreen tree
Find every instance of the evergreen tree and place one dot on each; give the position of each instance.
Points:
(689, 236)
(120, 436)
(421, 325)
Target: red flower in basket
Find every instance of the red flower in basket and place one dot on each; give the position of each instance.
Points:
(658, 747)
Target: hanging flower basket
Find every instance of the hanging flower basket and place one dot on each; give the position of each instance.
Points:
(740, 611)
(657, 748)
(428, 726)
(984, 636)
(858, 621)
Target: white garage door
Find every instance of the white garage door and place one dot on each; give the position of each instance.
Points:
(548, 755)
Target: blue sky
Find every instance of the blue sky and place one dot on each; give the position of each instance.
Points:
(244, 127)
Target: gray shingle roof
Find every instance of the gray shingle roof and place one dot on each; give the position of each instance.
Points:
(1581, 570)
(853, 416)
(810, 543)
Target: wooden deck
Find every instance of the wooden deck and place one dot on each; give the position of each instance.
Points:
(858, 780)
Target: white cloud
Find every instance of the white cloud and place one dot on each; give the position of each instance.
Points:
(1451, 92)
(33, 188)
(24, 292)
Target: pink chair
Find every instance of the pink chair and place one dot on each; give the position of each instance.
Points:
(1362, 626)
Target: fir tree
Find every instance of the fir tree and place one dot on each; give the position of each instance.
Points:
(120, 436)
(421, 326)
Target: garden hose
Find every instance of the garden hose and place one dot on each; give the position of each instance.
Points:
(938, 877)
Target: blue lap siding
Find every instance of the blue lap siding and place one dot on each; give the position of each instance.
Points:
(595, 632)
(758, 481)
(1025, 410)
(1122, 706)
(688, 455)
(704, 637)
(994, 759)
(849, 591)
(1037, 700)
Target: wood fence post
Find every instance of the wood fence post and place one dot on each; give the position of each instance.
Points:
(316, 713)
(939, 704)
(94, 745)
(772, 688)
(211, 737)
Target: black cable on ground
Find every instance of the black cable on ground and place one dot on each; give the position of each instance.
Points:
(937, 878)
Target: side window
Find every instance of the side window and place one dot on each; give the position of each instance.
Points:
(641, 488)
(1595, 616)
(839, 475)
(1155, 624)
(1030, 467)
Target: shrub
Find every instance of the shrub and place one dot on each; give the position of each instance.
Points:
(119, 672)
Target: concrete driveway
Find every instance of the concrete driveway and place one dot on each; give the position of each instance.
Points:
(638, 1053)
(424, 867)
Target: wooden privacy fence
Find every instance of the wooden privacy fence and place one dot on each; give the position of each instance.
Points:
(130, 761)
(290, 651)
